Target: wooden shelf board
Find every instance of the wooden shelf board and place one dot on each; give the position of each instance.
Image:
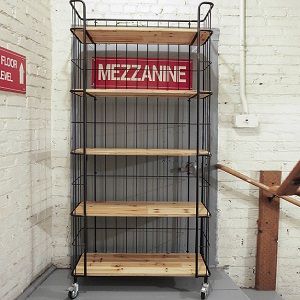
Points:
(140, 209)
(140, 264)
(142, 35)
(140, 152)
(141, 93)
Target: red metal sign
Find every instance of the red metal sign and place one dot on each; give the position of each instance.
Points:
(142, 73)
(12, 71)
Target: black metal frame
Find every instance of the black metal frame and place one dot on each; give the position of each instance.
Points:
(88, 116)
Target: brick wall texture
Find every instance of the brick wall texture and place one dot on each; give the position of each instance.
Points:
(35, 132)
(25, 150)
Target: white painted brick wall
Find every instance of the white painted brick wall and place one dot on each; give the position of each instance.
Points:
(60, 130)
(273, 87)
(272, 79)
(25, 174)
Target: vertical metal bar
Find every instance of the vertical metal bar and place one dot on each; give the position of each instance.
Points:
(203, 144)
(85, 138)
(95, 144)
(167, 158)
(147, 146)
(197, 147)
(189, 147)
(116, 145)
(126, 157)
(176, 129)
(158, 221)
(136, 157)
(105, 157)
(80, 158)
(209, 140)
(74, 199)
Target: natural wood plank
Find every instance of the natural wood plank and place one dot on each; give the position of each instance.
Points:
(140, 264)
(267, 237)
(140, 152)
(140, 209)
(290, 186)
(142, 35)
(141, 93)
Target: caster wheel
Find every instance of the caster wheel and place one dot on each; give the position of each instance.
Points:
(204, 291)
(73, 291)
(72, 294)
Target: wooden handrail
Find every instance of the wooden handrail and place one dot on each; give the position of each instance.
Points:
(256, 183)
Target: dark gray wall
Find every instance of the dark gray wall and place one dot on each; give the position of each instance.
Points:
(129, 234)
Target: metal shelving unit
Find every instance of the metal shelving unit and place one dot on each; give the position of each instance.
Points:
(140, 155)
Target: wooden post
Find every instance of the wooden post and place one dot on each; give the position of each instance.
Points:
(267, 237)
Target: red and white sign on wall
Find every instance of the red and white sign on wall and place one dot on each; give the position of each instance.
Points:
(12, 71)
(142, 73)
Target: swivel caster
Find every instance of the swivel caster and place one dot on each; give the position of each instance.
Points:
(204, 290)
(73, 291)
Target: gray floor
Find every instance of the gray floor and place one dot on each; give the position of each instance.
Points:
(261, 295)
(223, 288)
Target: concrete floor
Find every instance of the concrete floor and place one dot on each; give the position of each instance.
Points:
(222, 288)
(261, 295)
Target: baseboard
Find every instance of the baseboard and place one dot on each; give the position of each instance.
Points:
(36, 283)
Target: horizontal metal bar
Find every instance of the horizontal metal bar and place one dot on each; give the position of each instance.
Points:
(142, 20)
(138, 123)
(141, 229)
(153, 98)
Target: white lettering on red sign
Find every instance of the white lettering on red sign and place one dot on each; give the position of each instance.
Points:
(141, 73)
(12, 71)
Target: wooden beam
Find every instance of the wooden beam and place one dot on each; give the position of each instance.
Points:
(290, 186)
(267, 237)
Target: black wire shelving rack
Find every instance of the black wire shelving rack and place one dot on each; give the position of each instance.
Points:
(140, 154)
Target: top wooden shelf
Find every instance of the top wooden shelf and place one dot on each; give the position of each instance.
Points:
(142, 35)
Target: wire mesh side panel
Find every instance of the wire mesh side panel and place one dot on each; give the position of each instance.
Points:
(140, 122)
(78, 137)
(204, 22)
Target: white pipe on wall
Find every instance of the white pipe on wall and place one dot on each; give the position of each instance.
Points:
(243, 56)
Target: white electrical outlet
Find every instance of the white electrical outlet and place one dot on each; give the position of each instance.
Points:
(246, 121)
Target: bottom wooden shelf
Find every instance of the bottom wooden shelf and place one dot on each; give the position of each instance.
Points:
(140, 264)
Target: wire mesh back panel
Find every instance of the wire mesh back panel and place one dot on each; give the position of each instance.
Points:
(140, 122)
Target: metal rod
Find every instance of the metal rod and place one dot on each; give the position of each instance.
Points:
(95, 144)
(198, 144)
(84, 85)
